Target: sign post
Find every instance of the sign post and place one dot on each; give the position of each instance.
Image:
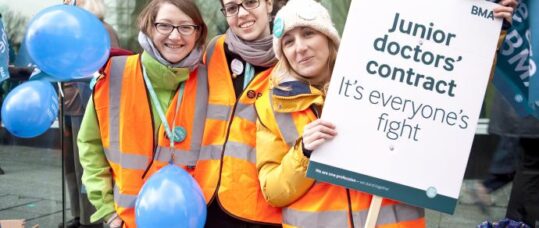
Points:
(411, 76)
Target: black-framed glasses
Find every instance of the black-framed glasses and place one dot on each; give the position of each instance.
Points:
(232, 9)
(166, 29)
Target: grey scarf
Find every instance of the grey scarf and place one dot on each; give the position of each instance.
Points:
(258, 52)
(190, 61)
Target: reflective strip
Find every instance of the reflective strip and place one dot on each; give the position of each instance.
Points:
(212, 152)
(127, 161)
(115, 91)
(390, 214)
(246, 111)
(315, 219)
(201, 107)
(124, 200)
(218, 112)
(286, 125)
(240, 151)
(399, 213)
(181, 157)
(211, 49)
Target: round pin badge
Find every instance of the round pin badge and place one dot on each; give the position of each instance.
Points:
(278, 27)
(251, 94)
(179, 134)
(237, 67)
(431, 192)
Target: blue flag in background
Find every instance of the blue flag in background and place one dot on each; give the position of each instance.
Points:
(4, 54)
(516, 66)
(533, 13)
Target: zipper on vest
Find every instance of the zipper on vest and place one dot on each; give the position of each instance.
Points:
(350, 214)
(216, 194)
(228, 135)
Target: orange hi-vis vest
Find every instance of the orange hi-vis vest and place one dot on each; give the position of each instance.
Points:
(226, 169)
(324, 204)
(127, 131)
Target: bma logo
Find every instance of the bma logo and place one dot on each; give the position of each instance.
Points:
(485, 13)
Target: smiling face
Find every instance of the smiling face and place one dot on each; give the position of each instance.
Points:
(173, 46)
(250, 24)
(307, 52)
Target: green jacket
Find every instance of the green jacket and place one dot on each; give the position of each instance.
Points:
(97, 176)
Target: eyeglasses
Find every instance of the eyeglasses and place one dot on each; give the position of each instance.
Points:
(232, 9)
(166, 29)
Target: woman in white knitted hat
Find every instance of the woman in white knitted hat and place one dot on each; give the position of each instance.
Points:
(239, 64)
(288, 128)
(306, 43)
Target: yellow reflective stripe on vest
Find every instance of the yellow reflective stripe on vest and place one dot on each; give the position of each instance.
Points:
(391, 214)
(181, 157)
(241, 151)
(218, 112)
(286, 124)
(128, 161)
(124, 200)
(315, 219)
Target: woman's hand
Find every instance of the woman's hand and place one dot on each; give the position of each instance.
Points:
(505, 9)
(316, 133)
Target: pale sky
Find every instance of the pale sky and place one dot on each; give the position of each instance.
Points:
(29, 7)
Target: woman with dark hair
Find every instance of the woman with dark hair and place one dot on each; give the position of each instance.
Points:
(239, 64)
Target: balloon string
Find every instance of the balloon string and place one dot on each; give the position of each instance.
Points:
(60, 89)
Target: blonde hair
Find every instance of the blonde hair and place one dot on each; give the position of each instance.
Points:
(146, 18)
(283, 69)
(96, 7)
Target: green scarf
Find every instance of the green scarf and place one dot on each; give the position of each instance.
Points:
(165, 81)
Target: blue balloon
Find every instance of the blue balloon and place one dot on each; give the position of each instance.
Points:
(30, 109)
(170, 198)
(67, 42)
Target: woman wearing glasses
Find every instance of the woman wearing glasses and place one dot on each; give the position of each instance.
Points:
(239, 63)
(147, 110)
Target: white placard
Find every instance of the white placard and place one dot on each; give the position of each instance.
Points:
(405, 95)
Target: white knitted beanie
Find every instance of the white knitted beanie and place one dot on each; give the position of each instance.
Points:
(302, 13)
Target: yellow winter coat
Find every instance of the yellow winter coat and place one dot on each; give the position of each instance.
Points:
(282, 114)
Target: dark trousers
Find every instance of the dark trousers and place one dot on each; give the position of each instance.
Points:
(220, 219)
(80, 205)
(503, 164)
(524, 201)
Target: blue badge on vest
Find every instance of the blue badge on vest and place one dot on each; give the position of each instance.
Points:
(179, 134)
(278, 27)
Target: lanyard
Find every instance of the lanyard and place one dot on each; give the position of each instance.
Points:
(249, 74)
(169, 131)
